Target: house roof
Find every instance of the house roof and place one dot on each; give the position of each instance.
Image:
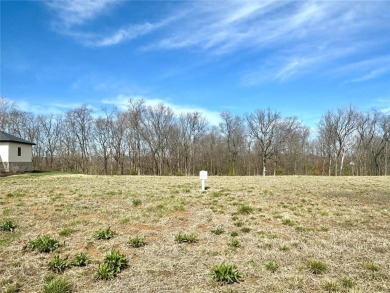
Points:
(6, 137)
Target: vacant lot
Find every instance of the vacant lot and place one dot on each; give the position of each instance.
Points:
(284, 234)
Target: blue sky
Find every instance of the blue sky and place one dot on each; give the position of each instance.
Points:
(301, 58)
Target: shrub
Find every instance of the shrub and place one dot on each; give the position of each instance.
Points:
(104, 234)
(7, 225)
(189, 238)
(57, 285)
(137, 242)
(58, 264)
(44, 244)
(271, 266)
(225, 274)
(80, 260)
(317, 267)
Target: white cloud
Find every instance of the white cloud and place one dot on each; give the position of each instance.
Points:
(122, 102)
(371, 75)
(25, 106)
(128, 33)
(288, 39)
(77, 12)
(292, 38)
(367, 69)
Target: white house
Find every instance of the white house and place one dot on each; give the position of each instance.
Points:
(15, 154)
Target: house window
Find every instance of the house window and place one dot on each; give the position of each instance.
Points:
(19, 151)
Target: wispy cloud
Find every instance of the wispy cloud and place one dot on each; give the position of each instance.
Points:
(23, 104)
(122, 102)
(72, 17)
(287, 39)
(77, 12)
(368, 69)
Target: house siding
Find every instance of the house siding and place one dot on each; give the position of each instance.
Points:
(11, 162)
(13, 153)
(4, 152)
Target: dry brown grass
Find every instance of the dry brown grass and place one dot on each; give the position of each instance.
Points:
(340, 221)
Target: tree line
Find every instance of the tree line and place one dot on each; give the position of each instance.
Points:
(153, 140)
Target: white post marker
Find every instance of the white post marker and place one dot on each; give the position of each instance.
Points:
(203, 177)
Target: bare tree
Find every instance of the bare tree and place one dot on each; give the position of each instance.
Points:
(366, 128)
(103, 133)
(337, 129)
(80, 122)
(6, 107)
(263, 126)
(155, 128)
(50, 126)
(385, 128)
(285, 130)
(232, 128)
(136, 112)
(296, 150)
(192, 127)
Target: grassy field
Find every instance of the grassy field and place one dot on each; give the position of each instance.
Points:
(283, 234)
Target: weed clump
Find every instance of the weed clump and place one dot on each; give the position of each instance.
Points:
(271, 266)
(58, 264)
(13, 288)
(330, 286)
(317, 267)
(80, 260)
(137, 202)
(234, 234)
(104, 234)
(288, 222)
(55, 284)
(137, 242)
(347, 283)
(234, 243)
(7, 225)
(66, 232)
(218, 231)
(245, 229)
(105, 272)
(186, 238)
(371, 266)
(225, 274)
(245, 209)
(44, 243)
(114, 263)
